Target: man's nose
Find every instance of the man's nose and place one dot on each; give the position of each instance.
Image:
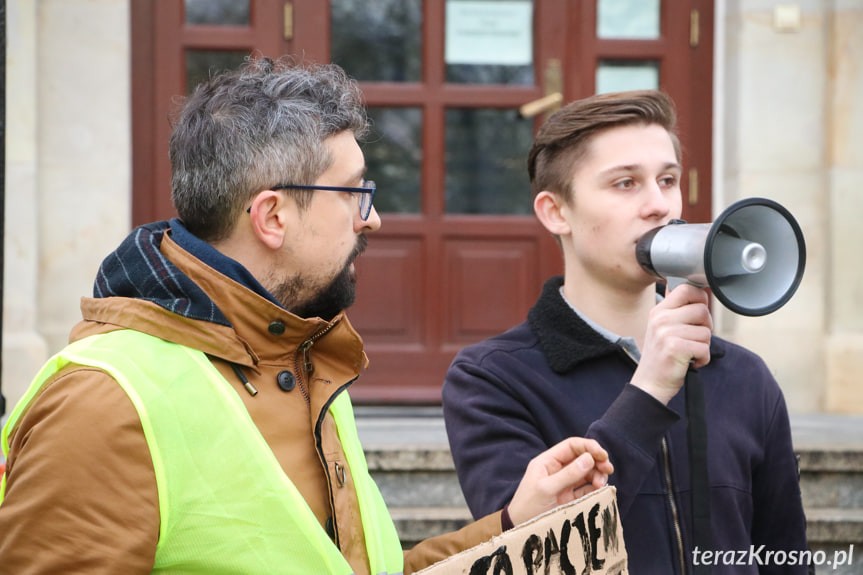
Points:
(372, 224)
(658, 203)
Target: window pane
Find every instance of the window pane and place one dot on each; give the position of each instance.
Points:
(201, 64)
(628, 19)
(394, 156)
(620, 75)
(377, 40)
(489, 42)
(486, 162)
(489, 74)
(217, 12)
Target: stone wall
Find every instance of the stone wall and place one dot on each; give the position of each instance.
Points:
(791, 126)
(68, 180)
(844, 155)
(788, 124)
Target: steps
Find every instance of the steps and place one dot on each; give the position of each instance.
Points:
(420, 488)
(409, 458)
(830, 450)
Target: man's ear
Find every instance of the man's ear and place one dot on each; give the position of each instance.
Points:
(549, 210)
(269, 220)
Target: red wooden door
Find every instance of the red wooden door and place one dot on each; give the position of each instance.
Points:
(460, 256)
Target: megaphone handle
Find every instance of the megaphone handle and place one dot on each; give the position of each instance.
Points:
(673, 282)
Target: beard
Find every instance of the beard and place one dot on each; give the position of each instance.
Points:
(328, 301)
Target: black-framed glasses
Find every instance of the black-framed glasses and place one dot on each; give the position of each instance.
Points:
(367, 194)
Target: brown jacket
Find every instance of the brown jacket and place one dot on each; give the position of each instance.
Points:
(81, 493)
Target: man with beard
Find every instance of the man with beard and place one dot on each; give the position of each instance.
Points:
(199, 420)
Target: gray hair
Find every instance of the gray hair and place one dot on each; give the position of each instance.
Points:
(247, 130)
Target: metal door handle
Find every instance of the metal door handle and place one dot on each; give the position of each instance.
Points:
(541, 105)
(553, 88)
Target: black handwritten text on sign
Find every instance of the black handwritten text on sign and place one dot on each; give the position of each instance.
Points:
(555, 553)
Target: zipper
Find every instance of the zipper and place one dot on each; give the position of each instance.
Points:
(320, 449)
(669, 483)
(675, 517)
(303, 365)
(304, 358)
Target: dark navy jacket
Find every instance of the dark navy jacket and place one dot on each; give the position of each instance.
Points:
(510, 397)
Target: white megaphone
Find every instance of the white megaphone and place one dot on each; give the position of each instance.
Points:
(752, 257)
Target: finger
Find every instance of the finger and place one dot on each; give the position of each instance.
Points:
(600, 480)
(583, 490)
(595, 479)
(566, 451)
(688, 314)
(687, 351)
(570, 476)
(701, 360)
(600, 455)
(696, 334)
(697, 314)
(687, 293)
(605, 467)
(601, 459)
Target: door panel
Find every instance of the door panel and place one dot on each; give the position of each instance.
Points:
(399, 260)
(471, 222)
(460, 256)
(488, 280)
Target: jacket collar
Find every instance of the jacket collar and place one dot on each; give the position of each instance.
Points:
(153, 285)
(566, 340)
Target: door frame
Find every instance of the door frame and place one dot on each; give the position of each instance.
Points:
(159, 38)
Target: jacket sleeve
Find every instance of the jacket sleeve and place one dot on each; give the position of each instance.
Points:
(439, 548)
(493, 433)
(81, 491)
(631, 430)
(778, 521)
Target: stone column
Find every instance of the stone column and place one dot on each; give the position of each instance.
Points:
(68, 185)
(24, 348)
(845, 196)
(84, 151)
(775, 141)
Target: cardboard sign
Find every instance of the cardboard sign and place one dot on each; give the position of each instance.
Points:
(583, 537)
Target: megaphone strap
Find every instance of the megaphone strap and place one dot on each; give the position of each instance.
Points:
(698, 474)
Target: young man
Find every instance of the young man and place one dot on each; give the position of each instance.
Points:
(199, 421)
(603, 356)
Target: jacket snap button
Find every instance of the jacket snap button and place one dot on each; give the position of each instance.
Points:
(276, 328)
(286, 380)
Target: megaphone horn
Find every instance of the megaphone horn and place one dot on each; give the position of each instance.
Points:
(752, 257)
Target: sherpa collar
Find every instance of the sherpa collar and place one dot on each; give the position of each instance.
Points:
(566, 339)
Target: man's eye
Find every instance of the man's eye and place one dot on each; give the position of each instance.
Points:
(626, 184)
(668, 181)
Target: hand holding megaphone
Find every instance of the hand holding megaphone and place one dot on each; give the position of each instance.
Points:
(752, 257)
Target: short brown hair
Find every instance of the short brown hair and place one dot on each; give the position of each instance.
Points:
(563, 140)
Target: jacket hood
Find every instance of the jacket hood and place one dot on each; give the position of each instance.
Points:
(137, 269)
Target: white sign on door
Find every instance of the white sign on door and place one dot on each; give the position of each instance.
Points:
(498, 33)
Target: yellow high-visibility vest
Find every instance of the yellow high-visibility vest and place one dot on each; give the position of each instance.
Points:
(225, 504)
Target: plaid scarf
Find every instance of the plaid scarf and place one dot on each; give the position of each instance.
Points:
(137, 269)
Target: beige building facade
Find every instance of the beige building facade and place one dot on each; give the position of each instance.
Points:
(787, 125)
